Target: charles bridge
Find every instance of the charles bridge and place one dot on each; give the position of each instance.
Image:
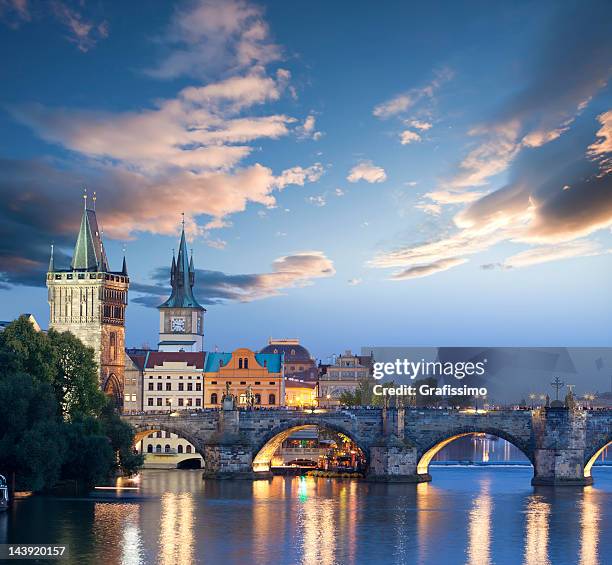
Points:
(561, 443)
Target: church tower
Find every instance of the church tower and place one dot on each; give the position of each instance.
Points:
(89, 300)
(181, 318)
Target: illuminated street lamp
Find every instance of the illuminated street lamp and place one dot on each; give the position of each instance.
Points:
(532, 398)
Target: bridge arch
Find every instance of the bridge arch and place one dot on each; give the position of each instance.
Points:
(265, 448)
(429, 451)
(145, 430)
(590, 459)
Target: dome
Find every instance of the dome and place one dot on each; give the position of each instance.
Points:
(294, 352)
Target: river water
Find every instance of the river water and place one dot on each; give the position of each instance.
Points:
(476, 515)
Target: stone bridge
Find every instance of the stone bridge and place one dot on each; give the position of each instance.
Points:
(562, 444)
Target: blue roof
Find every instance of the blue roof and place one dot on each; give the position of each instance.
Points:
(216, 359)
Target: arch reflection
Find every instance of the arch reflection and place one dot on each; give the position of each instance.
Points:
(479, 527)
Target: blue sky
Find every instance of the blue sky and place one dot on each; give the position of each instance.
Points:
(414, 175)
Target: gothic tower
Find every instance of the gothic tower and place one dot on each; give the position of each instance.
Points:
(181, 318)
(89, 300)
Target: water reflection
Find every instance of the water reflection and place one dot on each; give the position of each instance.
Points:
(589, 524)
(176, 529)
(479, 527)
(473, 515)
(536, 531)
(116, 528)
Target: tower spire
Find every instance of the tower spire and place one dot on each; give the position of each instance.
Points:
(84, 198)
(124, 270)
(51, 262)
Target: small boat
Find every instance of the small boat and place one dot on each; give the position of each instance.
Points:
(4, 498)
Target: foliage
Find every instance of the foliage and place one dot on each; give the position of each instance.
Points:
(75, 377)
(55, 423)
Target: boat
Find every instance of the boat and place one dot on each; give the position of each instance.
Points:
(4, 498)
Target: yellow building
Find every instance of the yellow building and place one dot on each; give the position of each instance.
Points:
(300, 393)
(245, 371)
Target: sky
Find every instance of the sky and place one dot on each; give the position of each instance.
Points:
(399, 174)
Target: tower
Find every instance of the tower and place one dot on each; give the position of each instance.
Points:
(89, 300)
(181, 318)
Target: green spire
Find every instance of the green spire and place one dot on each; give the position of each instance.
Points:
(182, 280)
(89, 254)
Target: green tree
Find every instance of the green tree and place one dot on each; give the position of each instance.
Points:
(121, 436)
(75, 377)
(55, 423)
(31, 443)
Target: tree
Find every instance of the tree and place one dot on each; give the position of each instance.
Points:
(75, 376)
(55, 423)
(121, 436)
(31, 443)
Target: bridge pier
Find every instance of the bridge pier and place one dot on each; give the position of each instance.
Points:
(560, 447)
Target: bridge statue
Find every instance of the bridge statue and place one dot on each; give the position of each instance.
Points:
(562, 442)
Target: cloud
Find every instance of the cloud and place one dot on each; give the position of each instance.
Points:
(419, 124)
(300, 175)
(407, 137)
(215, 287)
(601, 150)
(545, 254)
(355, 282)
(406, 100)
(339, 192)
(40, 204)
(451, 197)
(209, 36)
(427, 270)
(82, 32)
(199, 130)
(308, 129)
(318, 200)
(429, 208)
(553, 149)
(562, 78)
(368, 172)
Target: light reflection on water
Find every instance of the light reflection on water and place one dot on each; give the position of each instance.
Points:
(477, 516)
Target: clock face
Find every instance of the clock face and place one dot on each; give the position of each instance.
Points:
(178, 324)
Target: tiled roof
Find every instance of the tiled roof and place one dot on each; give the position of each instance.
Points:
(292, 383)
(300, 353)
(193, 359)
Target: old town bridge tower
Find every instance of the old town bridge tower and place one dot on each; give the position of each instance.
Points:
(89, 300)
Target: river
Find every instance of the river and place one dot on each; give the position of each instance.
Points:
(476, 515)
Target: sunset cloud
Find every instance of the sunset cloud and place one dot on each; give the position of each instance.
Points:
(427, 270)
(211, 36)
(214, 287)
(368, 172)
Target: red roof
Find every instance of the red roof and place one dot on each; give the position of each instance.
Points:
(290, 383)
(193, 359)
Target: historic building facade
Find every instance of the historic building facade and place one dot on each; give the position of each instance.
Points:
(181, 317)
(343, 376)
(254, 379)
(173, 381)
(89, 300)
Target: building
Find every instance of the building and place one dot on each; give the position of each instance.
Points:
(89, 300)
(344, 375)
(30, 318)
(172, 380)
(297, 359)
(133, 379)
(165, 450)
(300, 393)
(181, 318)
(253, 378)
